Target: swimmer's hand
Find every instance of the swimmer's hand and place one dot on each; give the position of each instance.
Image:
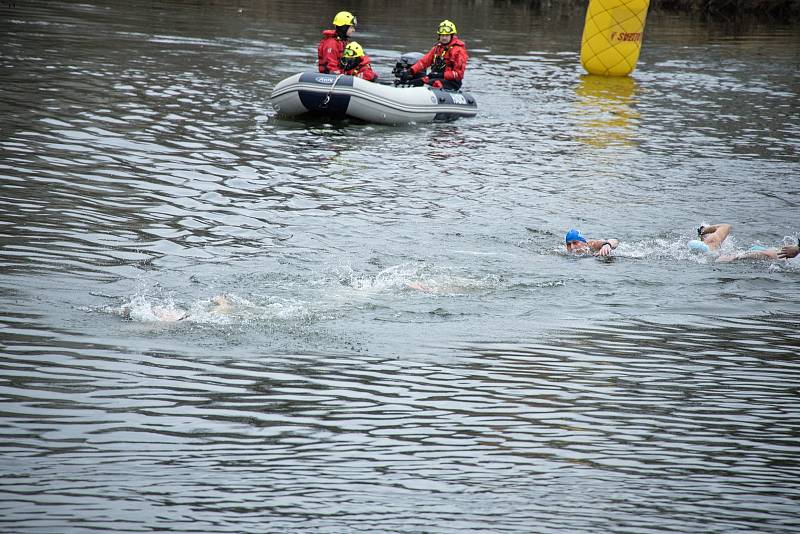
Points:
(788, 252)
(605, 250)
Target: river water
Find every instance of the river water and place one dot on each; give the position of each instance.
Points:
(404, 346)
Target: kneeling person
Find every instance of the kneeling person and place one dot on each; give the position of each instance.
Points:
(447, 61)
(333, 42)
(355, 63)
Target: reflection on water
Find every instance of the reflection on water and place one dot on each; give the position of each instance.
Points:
(589, 423)
(606, 110)
(216, 321)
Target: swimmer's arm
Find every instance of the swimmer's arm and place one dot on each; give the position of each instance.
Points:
(788, 252)
(603, 247)
(714, 235)
(725, 227)
(711, 228)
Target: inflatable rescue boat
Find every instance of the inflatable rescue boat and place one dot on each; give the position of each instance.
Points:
(339, 95)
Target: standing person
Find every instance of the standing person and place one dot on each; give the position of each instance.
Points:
(333, 42)
(355, 63)
(447, 61)
(577, 244)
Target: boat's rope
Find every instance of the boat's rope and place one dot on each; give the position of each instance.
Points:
(328, 96)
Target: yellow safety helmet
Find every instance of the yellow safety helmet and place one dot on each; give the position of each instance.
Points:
(344, 18)
(353, 50)
(447, 27)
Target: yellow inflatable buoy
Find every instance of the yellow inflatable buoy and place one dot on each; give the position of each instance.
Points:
(612, 36)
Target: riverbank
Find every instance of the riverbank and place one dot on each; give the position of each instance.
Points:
(728, 9)
(712, 10)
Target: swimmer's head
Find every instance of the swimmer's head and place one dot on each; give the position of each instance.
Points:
(574, 235)
(698, 246)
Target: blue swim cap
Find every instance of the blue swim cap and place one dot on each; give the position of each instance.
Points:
(574, 235)
(699, 246)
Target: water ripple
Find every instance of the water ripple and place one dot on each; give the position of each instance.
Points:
(214, 320)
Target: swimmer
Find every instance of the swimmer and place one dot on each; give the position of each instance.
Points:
(219, 304)
(710, 239)
(222, 304)
(577, 244)
(419, 286)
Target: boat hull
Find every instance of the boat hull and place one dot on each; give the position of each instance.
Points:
(341, 96)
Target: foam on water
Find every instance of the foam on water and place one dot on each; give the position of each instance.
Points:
(140, 308)
(227, 309)
(420, 276)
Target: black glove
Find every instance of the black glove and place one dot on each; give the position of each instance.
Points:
(437, 75)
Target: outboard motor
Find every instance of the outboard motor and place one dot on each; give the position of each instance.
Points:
(405, 63)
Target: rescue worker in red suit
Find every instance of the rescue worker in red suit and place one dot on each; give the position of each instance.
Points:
(447, 61)
(333, 42)
(355, 63)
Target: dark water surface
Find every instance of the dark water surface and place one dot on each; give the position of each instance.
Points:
(406, 348)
